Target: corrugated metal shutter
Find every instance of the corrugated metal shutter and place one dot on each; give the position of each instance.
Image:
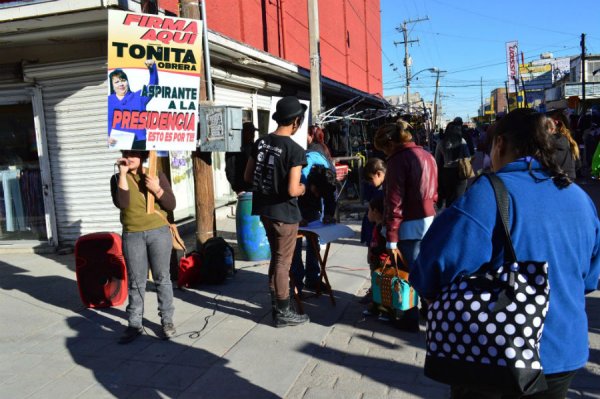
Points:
(14, 93)
(225, 95)
(263, 102)
(80, 163)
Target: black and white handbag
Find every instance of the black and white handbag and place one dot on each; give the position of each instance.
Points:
(484, 329)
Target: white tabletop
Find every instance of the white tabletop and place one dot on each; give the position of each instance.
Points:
(328, 232)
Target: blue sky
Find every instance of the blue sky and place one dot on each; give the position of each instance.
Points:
(467, 38)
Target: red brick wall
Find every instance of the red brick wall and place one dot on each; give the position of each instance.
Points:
(350, 34)
(169, 5)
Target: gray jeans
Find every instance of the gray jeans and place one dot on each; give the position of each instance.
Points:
(140, 249)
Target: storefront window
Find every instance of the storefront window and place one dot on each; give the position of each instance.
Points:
(182, 182)
(263, 122)
(21, 195)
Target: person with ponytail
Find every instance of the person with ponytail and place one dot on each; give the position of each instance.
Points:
(567, 149)
(410, 192)
(448, 152)
(550, 219)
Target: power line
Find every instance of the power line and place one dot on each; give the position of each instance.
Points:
(434, 39)
(378, 42)
(502, 19)
(503, 62)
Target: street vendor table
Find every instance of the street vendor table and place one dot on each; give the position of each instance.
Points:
(317, 233)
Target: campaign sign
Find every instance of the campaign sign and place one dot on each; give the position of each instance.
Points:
(154, 80)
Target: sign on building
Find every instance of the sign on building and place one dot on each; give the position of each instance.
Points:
(536, 77)
(154, 79)
(512, 65)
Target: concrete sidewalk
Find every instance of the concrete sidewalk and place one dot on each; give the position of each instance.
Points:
(52, 347)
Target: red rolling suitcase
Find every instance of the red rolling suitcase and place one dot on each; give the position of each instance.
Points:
(100, 270)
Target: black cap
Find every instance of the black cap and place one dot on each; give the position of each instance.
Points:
(458, 120)
(288, 108)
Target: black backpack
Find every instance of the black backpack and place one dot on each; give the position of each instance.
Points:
(218, 261)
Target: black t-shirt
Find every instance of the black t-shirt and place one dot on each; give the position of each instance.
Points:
(274, 157)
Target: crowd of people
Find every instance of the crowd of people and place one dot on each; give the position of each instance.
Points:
(425, 215)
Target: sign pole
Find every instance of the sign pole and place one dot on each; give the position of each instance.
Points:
(203, 173)
(150, 7)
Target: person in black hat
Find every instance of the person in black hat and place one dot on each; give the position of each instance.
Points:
(235, 162)
(274, 171)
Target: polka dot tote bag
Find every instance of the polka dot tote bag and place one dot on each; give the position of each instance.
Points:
(484, 330)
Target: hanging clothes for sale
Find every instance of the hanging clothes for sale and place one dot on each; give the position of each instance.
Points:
(338, 139)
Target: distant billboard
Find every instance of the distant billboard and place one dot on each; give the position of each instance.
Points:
(536, 77)
(561, 67)
(512, 64)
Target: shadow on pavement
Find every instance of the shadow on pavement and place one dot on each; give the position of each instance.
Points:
(147, 367)
(53, 290)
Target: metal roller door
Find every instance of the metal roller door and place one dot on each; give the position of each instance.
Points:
(235, 97)
(74, 105)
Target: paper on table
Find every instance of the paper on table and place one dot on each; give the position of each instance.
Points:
(123, 140)
(328, 232)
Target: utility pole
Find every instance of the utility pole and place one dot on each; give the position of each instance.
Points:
(315, 60)
(407, 60)
(203, 174)
(507, 96)
(435, 97)
(481, 91)
(583, 73)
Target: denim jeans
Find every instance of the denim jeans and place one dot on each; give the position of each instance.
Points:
(312, 270)
(140, 249)
(410, 250)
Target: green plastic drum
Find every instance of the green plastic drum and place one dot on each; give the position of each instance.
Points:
(251, 237)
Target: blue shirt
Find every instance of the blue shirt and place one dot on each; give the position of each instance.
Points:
(313, 158)
(559, 226)
(133, 101)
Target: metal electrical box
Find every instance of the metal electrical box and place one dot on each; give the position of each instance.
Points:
(220, 128)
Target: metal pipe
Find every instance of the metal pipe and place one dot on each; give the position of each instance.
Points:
(207, 70)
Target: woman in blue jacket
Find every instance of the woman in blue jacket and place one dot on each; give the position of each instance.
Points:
(318, 203)
(551, 219)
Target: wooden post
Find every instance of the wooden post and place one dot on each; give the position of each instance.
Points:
(150, 7)
(203, 173)
(151, 172)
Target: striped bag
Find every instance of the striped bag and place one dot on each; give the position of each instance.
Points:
(391, 288)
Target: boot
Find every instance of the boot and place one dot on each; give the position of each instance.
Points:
(287, 316)
(273, 303)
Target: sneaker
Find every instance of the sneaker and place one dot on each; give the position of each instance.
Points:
(130, 334)
(368, 312)
(371, 310)
(169, 330)
(383, 317)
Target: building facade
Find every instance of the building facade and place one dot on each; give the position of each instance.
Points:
(54, 159)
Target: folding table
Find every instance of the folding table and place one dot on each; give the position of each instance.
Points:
(317, 233)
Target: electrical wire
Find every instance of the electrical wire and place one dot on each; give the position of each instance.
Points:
(501, 63)
(502, 19)
(196, 334)
(364, 23)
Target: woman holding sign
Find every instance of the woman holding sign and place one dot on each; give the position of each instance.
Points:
(146, 239)
(124, 106)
